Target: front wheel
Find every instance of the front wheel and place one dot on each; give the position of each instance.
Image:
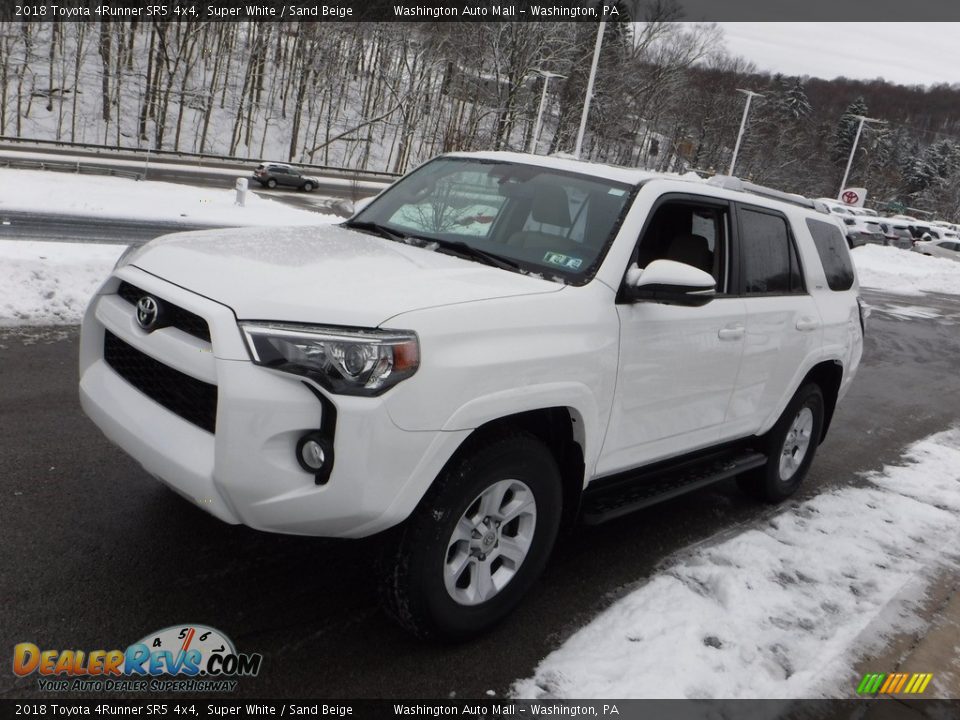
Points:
(790, 447)
(308, 186)
(478, 540)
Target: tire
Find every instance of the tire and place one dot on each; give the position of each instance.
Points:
(308, 186)
(440, 579)
(271, 183)
(790, 447)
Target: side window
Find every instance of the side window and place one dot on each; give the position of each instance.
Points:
(691, 233)
(768, 259)
(833, 253)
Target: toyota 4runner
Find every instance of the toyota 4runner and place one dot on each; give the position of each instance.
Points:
(497, 345)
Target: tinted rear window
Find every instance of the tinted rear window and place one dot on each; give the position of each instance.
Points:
(768, 260)
(833, 252)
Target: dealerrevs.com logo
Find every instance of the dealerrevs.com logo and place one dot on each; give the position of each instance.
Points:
(181, 658)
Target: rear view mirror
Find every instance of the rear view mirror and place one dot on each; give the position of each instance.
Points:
(671, 283)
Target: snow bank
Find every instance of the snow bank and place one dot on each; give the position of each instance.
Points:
(776, 611)
(905, 272)
(50, 283)
(90, 195)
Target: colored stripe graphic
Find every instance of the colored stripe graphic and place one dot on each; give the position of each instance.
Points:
(894, 683)
(899, 686)
(870, 683)
(890, 683)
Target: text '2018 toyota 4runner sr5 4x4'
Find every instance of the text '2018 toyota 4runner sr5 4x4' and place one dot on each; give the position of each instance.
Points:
(496, 345)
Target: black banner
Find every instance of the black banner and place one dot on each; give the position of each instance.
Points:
(189, 708)
(475, 10)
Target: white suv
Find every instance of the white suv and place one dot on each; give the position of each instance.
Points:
(496, 345)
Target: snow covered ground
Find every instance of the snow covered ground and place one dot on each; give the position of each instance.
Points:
(905, 272)
(50, 283)
(91, 195)
(778, 610)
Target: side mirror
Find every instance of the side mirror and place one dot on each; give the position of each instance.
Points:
(671, 283)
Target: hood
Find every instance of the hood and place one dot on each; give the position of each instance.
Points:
(323, 274)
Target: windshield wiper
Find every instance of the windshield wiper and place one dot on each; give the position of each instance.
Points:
(375, 228)
(465, 250)
(449, 247)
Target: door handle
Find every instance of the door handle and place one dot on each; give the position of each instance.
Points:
(731, 332)
(806, 324)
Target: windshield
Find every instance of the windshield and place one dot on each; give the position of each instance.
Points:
(541, 220)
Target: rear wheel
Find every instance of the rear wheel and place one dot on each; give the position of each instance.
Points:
(790, 447)
(271, 183)
(477, 542)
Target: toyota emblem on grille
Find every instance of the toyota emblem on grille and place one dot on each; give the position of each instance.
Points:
(148, 311)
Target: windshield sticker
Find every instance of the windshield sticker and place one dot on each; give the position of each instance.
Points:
(572, 263)
(616, 191)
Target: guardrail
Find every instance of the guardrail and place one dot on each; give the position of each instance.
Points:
(68, 167)
(195, 157)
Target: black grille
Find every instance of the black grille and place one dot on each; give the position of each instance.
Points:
(176, 316)
(191, 399)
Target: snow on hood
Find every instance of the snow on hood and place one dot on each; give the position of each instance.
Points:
(323, 274)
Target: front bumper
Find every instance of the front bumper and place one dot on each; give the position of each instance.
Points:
(246, 470)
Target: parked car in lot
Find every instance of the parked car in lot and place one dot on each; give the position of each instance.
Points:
(939, 233)
(865, 230)
(897, 235)
(272, 175)
(944, 248)
(496, 346)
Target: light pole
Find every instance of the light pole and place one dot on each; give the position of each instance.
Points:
(853, 150)
(546, 75)
(589, 95)
(743, 124)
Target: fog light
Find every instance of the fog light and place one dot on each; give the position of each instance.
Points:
(315, 455)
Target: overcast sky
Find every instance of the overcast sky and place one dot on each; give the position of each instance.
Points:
(905, 53)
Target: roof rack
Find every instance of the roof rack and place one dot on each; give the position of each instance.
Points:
(730, 182)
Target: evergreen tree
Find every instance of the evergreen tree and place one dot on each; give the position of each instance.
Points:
(795, 101)
(847, 131)
(917, 172)
(942, 160)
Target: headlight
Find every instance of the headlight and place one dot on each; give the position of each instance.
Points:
(345, 361)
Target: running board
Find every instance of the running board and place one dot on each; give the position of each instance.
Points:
(649, 486)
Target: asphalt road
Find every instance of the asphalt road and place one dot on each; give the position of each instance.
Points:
(96, 554)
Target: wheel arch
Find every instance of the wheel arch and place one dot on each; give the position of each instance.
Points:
(828, 374)
(561, 429)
